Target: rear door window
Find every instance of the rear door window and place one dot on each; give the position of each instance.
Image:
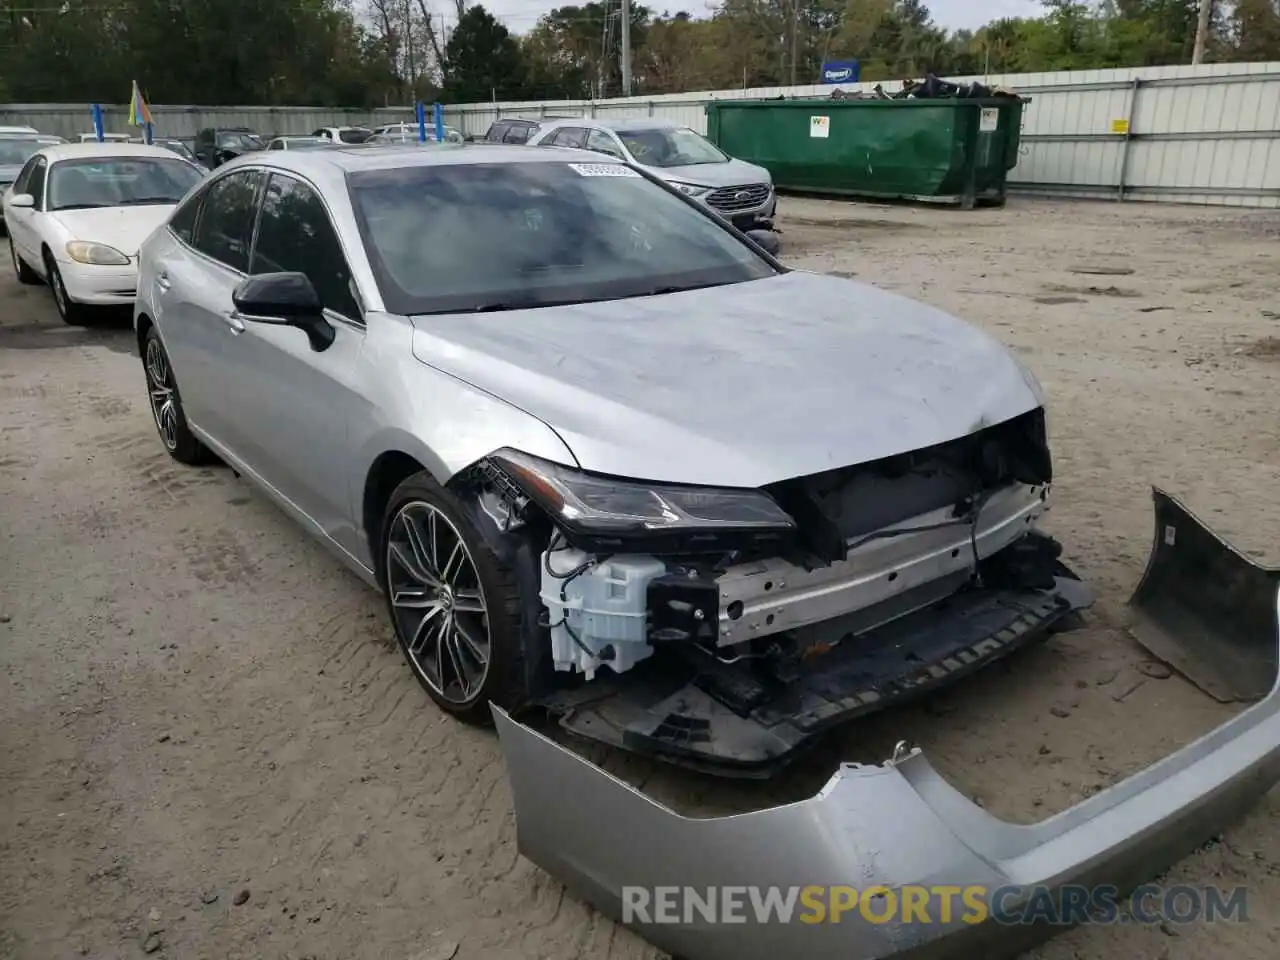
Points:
(519, 133)
(183, 221)
(570, 137)
(602, 142)
(226, 228)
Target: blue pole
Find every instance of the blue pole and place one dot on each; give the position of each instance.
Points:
(96, 112)
(148, 134)
(422, 122)
(439, 114)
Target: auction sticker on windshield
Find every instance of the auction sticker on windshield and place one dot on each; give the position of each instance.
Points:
(603, 170)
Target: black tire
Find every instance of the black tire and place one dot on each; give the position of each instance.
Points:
(25, 273)
(171, 423)
(75, 314)
(503, 677)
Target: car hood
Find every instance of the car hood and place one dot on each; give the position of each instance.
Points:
(739, 385)
(731, 174)
(9, 172)
(121, 227)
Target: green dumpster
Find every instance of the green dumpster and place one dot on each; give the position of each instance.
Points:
(947, 149)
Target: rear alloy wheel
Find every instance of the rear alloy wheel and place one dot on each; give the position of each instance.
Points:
(70, 311)
(25, 273)
(166, 405)
(453, 604)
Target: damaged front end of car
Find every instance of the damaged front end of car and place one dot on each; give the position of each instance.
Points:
(898, 827)
(727, 629)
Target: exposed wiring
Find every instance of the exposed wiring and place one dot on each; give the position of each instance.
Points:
(970, 519)
(975, 514)
(904, 531)
(735, 659)
(566, 579)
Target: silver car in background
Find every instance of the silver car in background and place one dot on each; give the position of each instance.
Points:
(604, 456)
(288, 142)
(739, 191)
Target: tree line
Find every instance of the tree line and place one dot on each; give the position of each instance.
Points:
(385, 52)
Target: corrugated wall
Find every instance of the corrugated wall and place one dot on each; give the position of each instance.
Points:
(1203, 134)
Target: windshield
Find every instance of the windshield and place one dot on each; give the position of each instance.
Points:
(239, 141)
(15, 151)
(672, 147)
(354, 136)
(119, 182)
(462, 237)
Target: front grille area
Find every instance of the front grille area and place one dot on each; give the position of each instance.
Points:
(731, 199)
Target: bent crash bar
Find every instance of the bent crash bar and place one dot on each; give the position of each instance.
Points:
(902, 825)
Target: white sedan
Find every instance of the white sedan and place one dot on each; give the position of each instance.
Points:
(77, 213)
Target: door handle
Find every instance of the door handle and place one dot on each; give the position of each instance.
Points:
(234, 322)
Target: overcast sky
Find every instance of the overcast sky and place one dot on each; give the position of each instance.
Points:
(521, 15)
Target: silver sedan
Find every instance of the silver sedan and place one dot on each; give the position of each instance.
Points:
(586, 435)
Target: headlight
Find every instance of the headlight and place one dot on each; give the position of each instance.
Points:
(689, 189)
(98, 254)
(608, 509)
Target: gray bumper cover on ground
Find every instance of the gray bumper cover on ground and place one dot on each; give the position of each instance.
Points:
(902, 824)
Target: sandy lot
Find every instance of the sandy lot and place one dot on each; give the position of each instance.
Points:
(198, 705)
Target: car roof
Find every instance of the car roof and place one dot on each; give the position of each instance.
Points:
(400, 123)
(333, 164)
(621, 125)
(88, 151)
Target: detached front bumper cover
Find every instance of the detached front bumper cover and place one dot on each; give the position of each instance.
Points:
(902, 824)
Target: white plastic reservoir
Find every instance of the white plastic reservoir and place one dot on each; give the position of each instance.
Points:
(604, 607)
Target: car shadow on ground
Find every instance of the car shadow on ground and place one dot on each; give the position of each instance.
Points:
(112, 329)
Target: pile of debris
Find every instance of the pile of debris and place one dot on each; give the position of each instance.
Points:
(930, 88)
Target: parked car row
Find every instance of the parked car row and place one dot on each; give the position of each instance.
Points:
(43, 225)
(739, 191)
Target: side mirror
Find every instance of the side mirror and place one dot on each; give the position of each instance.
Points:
(288, 299)
(22, 200)
(767, 240)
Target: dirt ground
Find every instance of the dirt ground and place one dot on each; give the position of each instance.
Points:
(198, 705)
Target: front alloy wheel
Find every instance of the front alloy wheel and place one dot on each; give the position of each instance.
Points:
(438, 603)
(453, 602)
